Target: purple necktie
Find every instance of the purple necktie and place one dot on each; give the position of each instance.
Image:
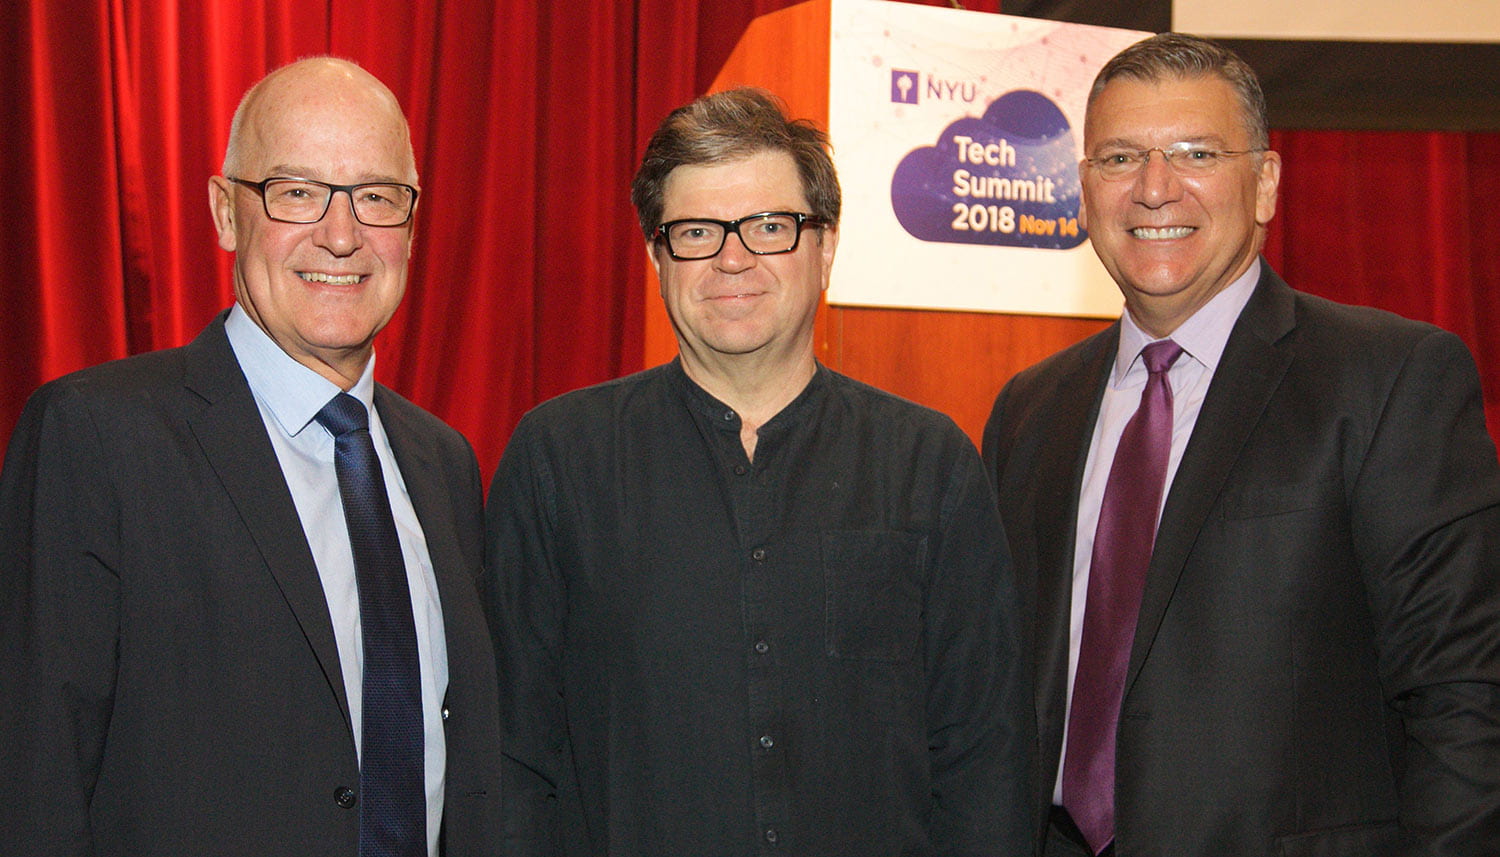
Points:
(1117, 577)
(392, 794)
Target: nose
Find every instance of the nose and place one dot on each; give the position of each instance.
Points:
(734, 256)
(1157, 183)
(339, 232)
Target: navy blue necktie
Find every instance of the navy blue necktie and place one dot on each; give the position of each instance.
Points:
(392, 794)
(1117, 580)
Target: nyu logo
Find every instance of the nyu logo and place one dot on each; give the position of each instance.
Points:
(903, 86)
(907, 88)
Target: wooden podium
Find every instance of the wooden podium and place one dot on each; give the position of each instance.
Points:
(952, 361)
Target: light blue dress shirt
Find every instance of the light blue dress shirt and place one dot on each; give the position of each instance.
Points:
(289, 395)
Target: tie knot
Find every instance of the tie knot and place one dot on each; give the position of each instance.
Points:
(343, 414)
(1159, 356)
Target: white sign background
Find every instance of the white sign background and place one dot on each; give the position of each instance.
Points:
(975, 56)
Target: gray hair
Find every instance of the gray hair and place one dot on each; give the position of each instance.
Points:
(1178, 55)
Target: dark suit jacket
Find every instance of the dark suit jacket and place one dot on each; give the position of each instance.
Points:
(1316, 663)
(171, 683)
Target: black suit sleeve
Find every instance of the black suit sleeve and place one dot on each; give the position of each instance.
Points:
(58, 625)
(1425, 512)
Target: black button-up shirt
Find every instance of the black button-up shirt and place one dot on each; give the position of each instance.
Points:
(813, 653)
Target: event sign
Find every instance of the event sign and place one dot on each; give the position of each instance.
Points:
(957, 137)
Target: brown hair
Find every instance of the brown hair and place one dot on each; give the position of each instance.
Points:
(727, 126)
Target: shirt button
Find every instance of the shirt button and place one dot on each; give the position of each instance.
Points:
(761, 647)
(771, 836)
(343, 796)
(767, 741)
(758, 554)
(445, 713)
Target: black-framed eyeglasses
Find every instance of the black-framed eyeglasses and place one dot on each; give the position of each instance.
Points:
(1189, 160)
(292, 200)
(765, 234)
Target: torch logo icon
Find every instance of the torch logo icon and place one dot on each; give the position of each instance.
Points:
(903, 86)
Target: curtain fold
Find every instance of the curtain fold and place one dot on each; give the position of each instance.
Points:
(528, 119)
(1403, 221)
(63, 261)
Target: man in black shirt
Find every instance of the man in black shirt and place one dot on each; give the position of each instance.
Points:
(744, 604)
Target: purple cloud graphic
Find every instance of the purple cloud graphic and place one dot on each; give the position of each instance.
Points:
(1007, 178)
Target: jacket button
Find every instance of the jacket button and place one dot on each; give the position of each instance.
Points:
(343, 796)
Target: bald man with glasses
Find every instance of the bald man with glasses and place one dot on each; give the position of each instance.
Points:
(239, 611)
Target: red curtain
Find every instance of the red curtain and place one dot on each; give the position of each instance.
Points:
(528, 118)
(1404, 221)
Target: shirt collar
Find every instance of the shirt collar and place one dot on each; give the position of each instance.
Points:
(1205, 333)
(721, 415)
(291, 392)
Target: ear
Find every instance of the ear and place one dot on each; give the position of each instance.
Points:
(1083, 210)
(1266, 183)
(221, 207)
(651, 249)
(411, 231)
(828, 242)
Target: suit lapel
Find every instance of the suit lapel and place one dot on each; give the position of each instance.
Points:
(419, 468)
(247, 467)
(1255, 359)
(422, 472)
(1057, 481)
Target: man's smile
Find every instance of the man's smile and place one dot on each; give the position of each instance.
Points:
(331, 279)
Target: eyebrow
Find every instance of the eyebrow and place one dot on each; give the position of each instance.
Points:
(295, 172)
(1128, 143)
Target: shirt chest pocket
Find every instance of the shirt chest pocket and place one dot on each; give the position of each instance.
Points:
(873, 588)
